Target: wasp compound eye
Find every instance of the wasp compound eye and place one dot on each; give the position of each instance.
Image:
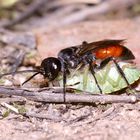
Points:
(51, 67)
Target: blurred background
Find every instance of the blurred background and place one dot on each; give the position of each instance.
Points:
(22, 14)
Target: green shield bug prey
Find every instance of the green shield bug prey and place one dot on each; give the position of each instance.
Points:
(94, 58)
(108, 78)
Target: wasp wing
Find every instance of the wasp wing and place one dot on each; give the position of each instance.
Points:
(87, 47)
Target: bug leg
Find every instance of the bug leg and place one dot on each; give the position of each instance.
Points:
(106, 61)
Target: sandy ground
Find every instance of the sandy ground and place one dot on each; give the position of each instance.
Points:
(74, 122)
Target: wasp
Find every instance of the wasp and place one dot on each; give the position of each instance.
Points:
(95, 54)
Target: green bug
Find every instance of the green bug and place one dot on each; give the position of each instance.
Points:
(108, 78)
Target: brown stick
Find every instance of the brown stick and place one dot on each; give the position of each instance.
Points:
(49, 97)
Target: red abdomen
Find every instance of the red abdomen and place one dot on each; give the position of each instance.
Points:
(113, 51)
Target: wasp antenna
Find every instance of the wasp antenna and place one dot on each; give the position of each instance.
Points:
(13, 73)
(30, 77)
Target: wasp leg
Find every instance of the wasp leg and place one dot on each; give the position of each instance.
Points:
(106, 61)
(89, 59)
(103, 63)
(122, 73)
(93, 73)
(64, 69)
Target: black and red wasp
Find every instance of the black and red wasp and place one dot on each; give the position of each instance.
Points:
(84, 54)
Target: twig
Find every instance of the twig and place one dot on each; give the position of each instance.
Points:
(12, 108)
(103, 115)
(18, 60)
(66, 2)
(102, 8)
(33, 7)
(50, 97)
(78, 119)
(43, 116)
